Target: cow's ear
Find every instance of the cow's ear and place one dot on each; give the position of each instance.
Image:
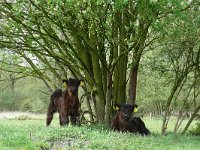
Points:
(116, 106)
(65, 82)
(135, 108)
(81, 82)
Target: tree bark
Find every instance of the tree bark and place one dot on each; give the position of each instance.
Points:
(97, 72)
(133, 84)
(108, 99)
(168, 108)
(191, 119)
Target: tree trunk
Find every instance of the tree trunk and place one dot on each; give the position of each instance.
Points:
(12, 88)
(97, 72)
(108, 99)
(177, 121)
(119, 91)
(122, 80)
(168, 106)
(137, 54)
(100, 99)
(133, 84)
(177, 125)
(88, 104)
(191, 119)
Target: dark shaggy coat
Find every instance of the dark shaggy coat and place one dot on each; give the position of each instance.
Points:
(122, 121)
(66, 103)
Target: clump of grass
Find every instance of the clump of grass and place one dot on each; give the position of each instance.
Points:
(23, 117)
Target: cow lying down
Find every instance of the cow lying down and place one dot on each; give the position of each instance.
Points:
(122, 121)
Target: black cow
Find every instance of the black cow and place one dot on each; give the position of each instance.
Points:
(66, 103)
(123, 121)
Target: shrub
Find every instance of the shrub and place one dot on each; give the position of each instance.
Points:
(196, 130)
(23, 117)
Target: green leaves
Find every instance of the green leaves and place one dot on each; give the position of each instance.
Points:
(85, 38)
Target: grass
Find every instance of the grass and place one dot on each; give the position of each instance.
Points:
(33, 135)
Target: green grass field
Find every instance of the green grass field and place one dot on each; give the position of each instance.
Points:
(34, 135)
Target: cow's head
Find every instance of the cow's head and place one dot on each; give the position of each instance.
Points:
(125, 111)
(73, 85)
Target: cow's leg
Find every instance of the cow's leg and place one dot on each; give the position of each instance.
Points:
(78, 116)
(60, 120)
(73, 119)
(50, 112)
(49, 118)
(78, 120)
(64, 119)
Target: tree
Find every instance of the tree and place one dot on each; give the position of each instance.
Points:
(101, 41)
(181, 48)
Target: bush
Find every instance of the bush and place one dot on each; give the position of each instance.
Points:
(28, 95)
(38, 105)
(23, 117)
(196, 130)
(7, 101)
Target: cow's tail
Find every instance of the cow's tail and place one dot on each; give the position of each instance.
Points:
(52, 107)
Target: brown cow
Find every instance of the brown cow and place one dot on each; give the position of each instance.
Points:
(66, 103)
(123, 121)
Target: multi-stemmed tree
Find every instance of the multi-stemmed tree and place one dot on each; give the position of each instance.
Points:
(101, 41)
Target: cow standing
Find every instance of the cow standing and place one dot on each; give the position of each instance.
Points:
(66, 103)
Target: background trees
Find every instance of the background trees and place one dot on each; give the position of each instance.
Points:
(106, 43)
